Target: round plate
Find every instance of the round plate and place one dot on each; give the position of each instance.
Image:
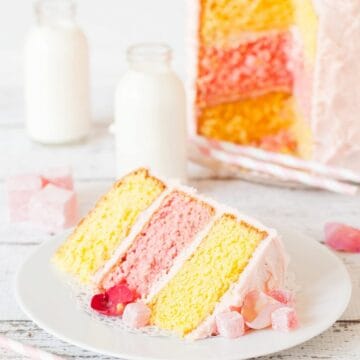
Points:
(325, 292)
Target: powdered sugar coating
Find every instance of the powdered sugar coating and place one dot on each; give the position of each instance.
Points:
(284, 319)
(53, 208)
(230, 324)
(20, 189)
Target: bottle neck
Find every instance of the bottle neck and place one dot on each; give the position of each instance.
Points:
(55, 12)
(150, 58)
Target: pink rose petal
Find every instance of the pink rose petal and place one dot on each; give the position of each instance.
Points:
(342, 237)
(113, 301)
(284, 319)
(100, 303)
(284, 296)
(121, 294)
(257, 309)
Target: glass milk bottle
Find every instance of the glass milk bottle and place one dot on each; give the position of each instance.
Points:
(57, 91)
(150, 114)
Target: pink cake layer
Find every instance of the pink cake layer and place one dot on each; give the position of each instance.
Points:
(249, 69)
(172, 228)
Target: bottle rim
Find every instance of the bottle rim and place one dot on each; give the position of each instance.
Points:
(55, 7)
(149, 52)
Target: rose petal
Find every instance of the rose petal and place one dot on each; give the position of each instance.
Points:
(257, 309)
(342, 237)
(120, 294)
(113, 301)
(284, 296)
(235, 308)
(100, 303)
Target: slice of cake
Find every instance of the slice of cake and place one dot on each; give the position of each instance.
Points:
(182, 258)
(277, 75)
(100, 233)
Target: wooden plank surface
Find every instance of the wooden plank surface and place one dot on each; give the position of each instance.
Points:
(341, 342)
(94, 164)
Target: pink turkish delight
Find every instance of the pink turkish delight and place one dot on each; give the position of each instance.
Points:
(342, 237)
(284, 319)
(136, 315)
(20, 189)
(58, 176)
(53, 208)
(230, 324)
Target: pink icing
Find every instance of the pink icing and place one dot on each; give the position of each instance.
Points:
(172, 228)
(336, 105)
(303, 76)
(257, 66)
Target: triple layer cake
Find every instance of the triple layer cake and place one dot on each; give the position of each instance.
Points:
(278, 75)
(184, 257)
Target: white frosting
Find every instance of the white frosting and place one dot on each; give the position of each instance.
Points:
(336, 97)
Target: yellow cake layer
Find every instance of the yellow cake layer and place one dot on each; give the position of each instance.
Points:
(306, 21)
(102, 230)
(194, 291)
(221, 21)
(248, 121)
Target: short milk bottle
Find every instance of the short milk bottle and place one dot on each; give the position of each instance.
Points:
(56, 75)
(150, 114)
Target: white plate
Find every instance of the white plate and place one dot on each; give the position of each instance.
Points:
(325, 292)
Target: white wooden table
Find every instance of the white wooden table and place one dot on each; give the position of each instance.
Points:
(93, 163)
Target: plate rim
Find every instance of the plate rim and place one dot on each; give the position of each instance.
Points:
(56, 240)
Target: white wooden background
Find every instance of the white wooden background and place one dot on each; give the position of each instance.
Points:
(93, 162)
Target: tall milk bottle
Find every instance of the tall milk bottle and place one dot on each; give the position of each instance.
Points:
(150, 119)
(57, 93)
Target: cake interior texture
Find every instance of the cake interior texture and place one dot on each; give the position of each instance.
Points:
(192, 294)
(254, 73)
(103, 229)
(171, 228)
